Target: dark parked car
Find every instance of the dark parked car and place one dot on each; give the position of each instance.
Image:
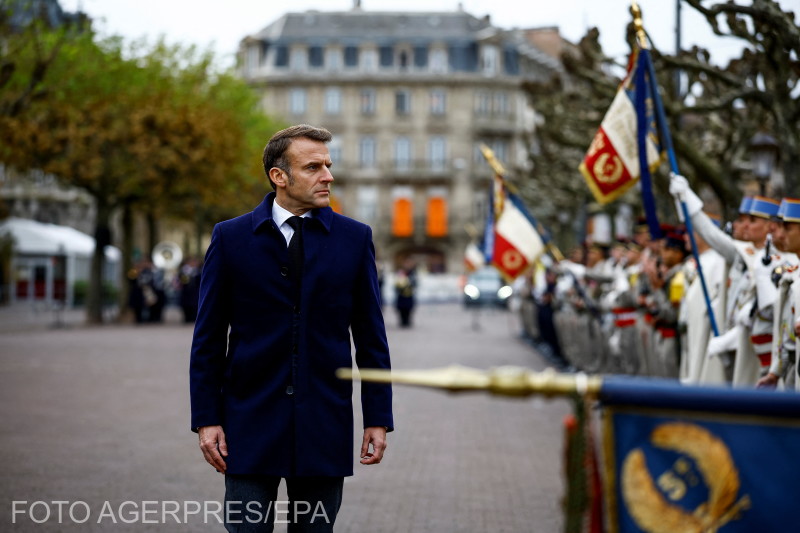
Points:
(486, 287)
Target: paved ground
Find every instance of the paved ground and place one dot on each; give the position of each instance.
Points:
(98, 417)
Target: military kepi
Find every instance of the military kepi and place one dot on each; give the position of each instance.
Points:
(744, 207)
(764, 207)
(789, 210)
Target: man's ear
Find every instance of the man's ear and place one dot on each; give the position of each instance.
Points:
(277, 176)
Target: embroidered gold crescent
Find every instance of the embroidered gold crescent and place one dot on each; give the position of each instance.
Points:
(608, 171)
(650, 509)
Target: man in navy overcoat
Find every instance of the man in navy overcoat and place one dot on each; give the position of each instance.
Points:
(272, 328)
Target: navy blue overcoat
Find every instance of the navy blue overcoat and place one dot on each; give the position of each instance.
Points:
(264, 354)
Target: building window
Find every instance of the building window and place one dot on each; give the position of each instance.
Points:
(333, 100)
(367, 152)
(297, 101)
(387, 56)
(511, 61)
(483, 103)
(420, 56)
(253, 57)
(500, 104)
(367, 101)
(500, 149)
(367, 204)
(438, 61)
(315, 57)
(402, 153)
(335, 150)
(351, 56)
(477, 155)
(489, 60)
(369, 60)
(437, 152)
(402, 102)
(281, 56)
(333, 59)
(438, 102)
(498, 146)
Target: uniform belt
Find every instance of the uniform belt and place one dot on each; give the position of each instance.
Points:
(624, 316)
(667, 333)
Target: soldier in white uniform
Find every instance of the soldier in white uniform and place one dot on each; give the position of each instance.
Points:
(742, 324)
(787, 293)
(747, 371)
(694, 319)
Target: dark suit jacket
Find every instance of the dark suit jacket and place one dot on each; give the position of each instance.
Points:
(264, 355)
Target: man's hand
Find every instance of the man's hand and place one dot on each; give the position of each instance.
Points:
(212, 443)
(770, 381)
(377, 437)
(679, 188)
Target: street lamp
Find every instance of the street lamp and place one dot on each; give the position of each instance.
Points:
(764, 153)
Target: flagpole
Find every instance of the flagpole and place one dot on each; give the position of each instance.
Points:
(673, 162)
(500, 171)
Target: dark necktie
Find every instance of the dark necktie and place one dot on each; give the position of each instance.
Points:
(296, 247)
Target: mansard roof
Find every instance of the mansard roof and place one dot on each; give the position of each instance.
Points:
(357, 25)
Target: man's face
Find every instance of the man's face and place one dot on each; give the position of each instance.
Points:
(309, 186)
(740, 228)
(779, 235)
(791, 237)
(671, 256)
(757, 229)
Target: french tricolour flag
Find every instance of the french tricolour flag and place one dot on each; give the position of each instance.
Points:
(517, 243)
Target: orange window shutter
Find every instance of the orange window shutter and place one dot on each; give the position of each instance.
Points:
(437, 217)
(403, 218)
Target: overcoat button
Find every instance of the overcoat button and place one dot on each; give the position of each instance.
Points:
(284, 271)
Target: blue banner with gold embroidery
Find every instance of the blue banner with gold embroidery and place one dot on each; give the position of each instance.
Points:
(699, 459)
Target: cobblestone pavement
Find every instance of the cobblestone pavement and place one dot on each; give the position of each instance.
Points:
(98, 417)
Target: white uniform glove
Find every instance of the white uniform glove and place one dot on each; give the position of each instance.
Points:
(723, 343)
(680, 190)
(743, 316)
(765, 287)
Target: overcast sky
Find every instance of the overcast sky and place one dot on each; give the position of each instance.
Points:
(222, 24)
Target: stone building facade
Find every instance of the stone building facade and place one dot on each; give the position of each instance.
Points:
(409, 97)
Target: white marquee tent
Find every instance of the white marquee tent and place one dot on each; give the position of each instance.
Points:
(46, 255)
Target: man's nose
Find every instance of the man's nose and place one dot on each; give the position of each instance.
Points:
(327, 176)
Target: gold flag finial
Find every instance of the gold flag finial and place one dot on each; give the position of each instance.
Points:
(501, 381)
(638, 23)
(497, 167)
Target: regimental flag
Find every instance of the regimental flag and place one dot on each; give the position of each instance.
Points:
(681, 458)
(473, 257)
(612, 164)
(517, 243)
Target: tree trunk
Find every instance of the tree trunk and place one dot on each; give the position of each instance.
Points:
(127, 262)
(152, 232)
(199, 228)
(102, 236)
